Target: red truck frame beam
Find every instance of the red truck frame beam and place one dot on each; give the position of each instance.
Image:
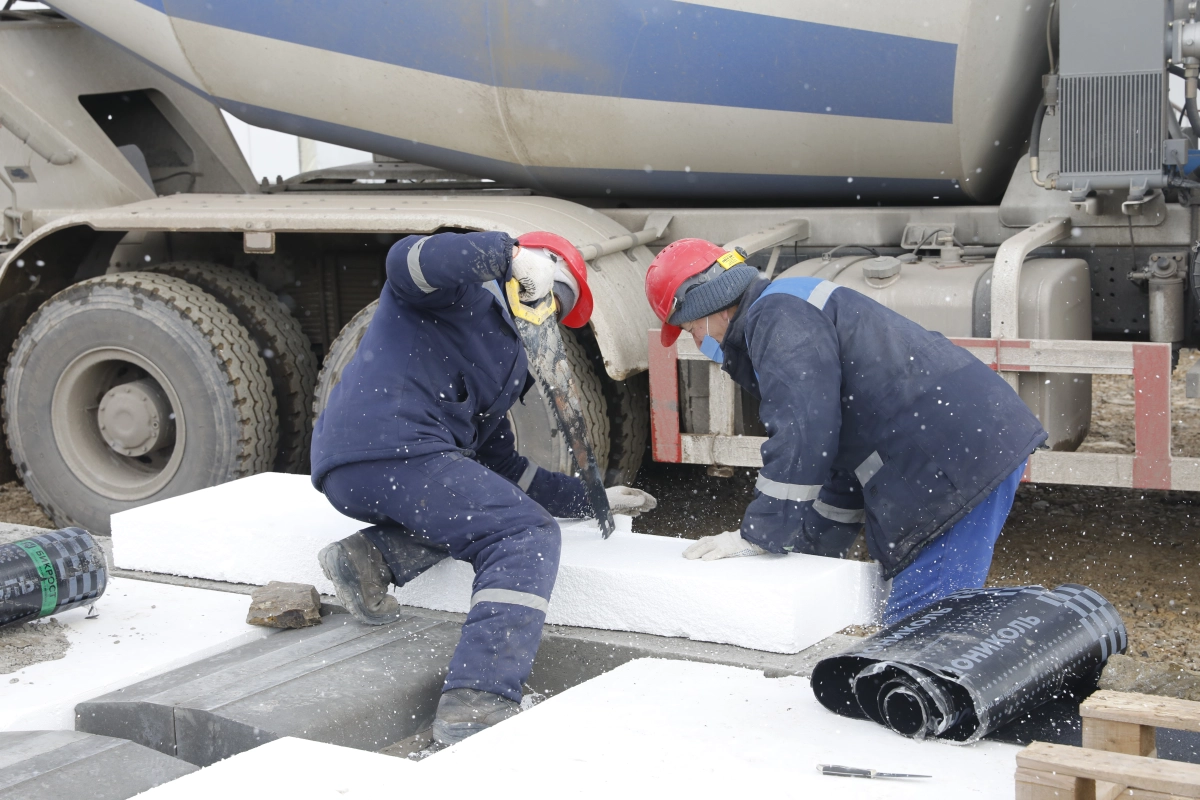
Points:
(1151, 466)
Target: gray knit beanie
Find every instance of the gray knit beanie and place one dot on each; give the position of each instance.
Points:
(720, 291)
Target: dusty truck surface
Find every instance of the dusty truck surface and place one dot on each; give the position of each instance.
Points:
(1011, 174)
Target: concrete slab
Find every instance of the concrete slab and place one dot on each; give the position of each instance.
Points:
(68, 764)
(338, 682)
(270, 527)
(647, 728)
(361, 687)
(138, 629)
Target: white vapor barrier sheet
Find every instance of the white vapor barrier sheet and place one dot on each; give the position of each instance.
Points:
(649, 728)
(139, 629)
(271, 526)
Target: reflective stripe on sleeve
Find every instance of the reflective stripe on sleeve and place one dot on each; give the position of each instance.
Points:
(867, 469)
(511, 597)
(527, 476)
(820, 294)
(414, 266)
(796, 492)
(835, 514)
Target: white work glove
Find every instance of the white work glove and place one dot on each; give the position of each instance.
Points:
(533, 267)
(724, 545)
(624, 500)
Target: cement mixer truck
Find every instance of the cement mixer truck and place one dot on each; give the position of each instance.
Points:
(1010, 173)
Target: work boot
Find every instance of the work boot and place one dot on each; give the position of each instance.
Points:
(361, 579)
(465, 712)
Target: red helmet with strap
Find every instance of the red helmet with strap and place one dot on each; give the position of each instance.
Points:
(675, 263)
(582, 312)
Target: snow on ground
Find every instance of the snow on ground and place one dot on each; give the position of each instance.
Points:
(140, 629)
(648, 728)
(271, 526)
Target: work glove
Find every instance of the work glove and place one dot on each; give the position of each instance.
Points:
(624, 500)
(533, 267)
(724, 545)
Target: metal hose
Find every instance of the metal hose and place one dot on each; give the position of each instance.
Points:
(1035, 144)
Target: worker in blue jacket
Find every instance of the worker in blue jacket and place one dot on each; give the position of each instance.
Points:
(870, 419)
(415, 441)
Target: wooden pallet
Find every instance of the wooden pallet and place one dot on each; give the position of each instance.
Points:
(1118, 757)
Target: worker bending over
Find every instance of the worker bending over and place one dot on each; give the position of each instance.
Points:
(415, 440)
(871, 418)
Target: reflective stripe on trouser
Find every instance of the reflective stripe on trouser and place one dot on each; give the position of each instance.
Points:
(448, 500)
(957, 559)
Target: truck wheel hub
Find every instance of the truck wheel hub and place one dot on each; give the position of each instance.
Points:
(134, 418)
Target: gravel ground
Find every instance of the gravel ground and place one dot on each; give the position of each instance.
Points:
(1140, 549)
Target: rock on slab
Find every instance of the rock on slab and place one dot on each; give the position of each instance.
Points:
(271, 526)
(284, 605)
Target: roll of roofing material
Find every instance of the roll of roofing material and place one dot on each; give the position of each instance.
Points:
(973, 662)
(49, 573)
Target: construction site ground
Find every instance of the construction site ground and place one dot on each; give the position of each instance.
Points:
(1140, 549)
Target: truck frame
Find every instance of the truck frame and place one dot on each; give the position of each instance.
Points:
(126, 188)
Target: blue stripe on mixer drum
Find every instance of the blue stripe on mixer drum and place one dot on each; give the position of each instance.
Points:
(666, 51)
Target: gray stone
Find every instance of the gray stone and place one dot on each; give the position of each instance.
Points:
(284, 605)
(68, 764)
(1167, 679)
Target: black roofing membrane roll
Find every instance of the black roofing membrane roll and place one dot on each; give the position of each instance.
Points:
(973, 662)
(49, 573)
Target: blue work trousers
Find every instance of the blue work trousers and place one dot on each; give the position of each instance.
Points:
(958, 559)
(446, 500)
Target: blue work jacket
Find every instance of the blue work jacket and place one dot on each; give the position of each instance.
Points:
(871, 419)
(438, 368)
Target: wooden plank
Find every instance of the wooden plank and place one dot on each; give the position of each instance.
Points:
(1118, 737)
(1052, 355)
(730, 451)
(722, 401)
(1156, 775)
(1035, 785)
(1185, 474)
(1081, 469)
(1142, 709)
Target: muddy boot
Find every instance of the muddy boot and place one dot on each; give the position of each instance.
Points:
(465, 712)
(361, 579)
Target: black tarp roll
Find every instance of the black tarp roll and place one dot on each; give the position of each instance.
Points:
(972, 662)
(49, 573)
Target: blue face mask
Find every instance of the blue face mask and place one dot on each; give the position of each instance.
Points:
(711, 348)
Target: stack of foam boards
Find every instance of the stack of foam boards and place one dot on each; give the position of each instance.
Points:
(271, 526)
(649, 728)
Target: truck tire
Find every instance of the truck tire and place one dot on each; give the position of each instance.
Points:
(281, 342)
(533, 422)
(113, 378)
(340, 352)
(629, 426)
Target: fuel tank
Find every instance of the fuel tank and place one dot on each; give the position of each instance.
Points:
(832, 101)
(954, 299)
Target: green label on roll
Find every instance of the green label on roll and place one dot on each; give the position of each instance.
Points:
(45, 570)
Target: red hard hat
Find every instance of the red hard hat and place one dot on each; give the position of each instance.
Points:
(674, 264)
(556, 244)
